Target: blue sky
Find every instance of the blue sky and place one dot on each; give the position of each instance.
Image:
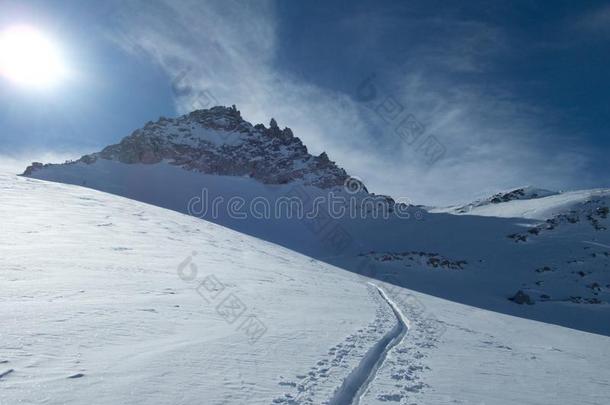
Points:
(514, 93)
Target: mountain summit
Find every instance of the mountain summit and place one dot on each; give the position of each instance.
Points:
(219, 141)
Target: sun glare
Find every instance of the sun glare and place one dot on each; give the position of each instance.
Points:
(29, 58)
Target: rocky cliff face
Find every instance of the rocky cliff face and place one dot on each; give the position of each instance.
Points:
(523, 193)
(219, 141)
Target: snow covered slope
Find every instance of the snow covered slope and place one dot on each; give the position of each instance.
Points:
(527, 252)
(105, 302)
(541, 207)
(518, 194)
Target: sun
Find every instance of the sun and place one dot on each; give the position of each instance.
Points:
(29, 58)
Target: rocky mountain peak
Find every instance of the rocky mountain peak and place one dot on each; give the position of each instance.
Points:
(523, 193)
(219, 141)
(220, 118)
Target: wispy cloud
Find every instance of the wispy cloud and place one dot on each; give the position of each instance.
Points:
(597, 20)
(493, 139)
(16, 163)
(228, 48)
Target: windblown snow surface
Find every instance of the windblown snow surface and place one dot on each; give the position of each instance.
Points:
(107, 300)
(560, 257)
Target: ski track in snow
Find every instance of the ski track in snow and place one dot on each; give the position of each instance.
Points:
(381, 339)
(313, 386)
(357, 383)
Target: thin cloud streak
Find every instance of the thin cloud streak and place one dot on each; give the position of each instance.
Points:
(17, 163)
(493, 141)
(596, 21)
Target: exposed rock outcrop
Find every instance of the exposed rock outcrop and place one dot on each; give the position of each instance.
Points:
(219, 141)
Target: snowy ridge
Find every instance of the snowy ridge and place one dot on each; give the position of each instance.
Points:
(518, 194)
(219, 141)
(544, 205)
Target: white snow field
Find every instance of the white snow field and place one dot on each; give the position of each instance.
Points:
(95, 311)
(561, 258)
(104, 302)
(544, 206)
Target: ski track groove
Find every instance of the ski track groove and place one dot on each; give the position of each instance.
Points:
(309, 387)
(357, 382)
